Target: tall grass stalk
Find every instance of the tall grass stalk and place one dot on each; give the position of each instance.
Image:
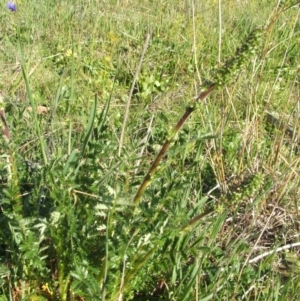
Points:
(33, 105)
(131, 93)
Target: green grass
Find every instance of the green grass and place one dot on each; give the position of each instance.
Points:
(84, 216)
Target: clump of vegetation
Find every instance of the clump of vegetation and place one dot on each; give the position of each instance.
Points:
(107, 193)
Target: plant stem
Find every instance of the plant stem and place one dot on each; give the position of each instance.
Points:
(189, 110)
(131, 93)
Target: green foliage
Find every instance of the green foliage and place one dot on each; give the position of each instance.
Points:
(69, 226)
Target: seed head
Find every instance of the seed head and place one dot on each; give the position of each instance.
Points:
(225, 74)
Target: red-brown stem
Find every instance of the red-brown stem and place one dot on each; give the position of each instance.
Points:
(11, 168)
(147, 180)
(197, 218)
(5, 125)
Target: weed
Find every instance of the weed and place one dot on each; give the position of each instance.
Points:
(199, 211)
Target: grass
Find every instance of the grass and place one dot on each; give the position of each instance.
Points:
(85, 214)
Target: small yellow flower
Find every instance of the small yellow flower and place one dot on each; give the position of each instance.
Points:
(45, 288)
(68, 53)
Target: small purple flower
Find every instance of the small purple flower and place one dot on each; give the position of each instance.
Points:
(11, 6)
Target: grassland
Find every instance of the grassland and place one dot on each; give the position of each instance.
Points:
(90, 92)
